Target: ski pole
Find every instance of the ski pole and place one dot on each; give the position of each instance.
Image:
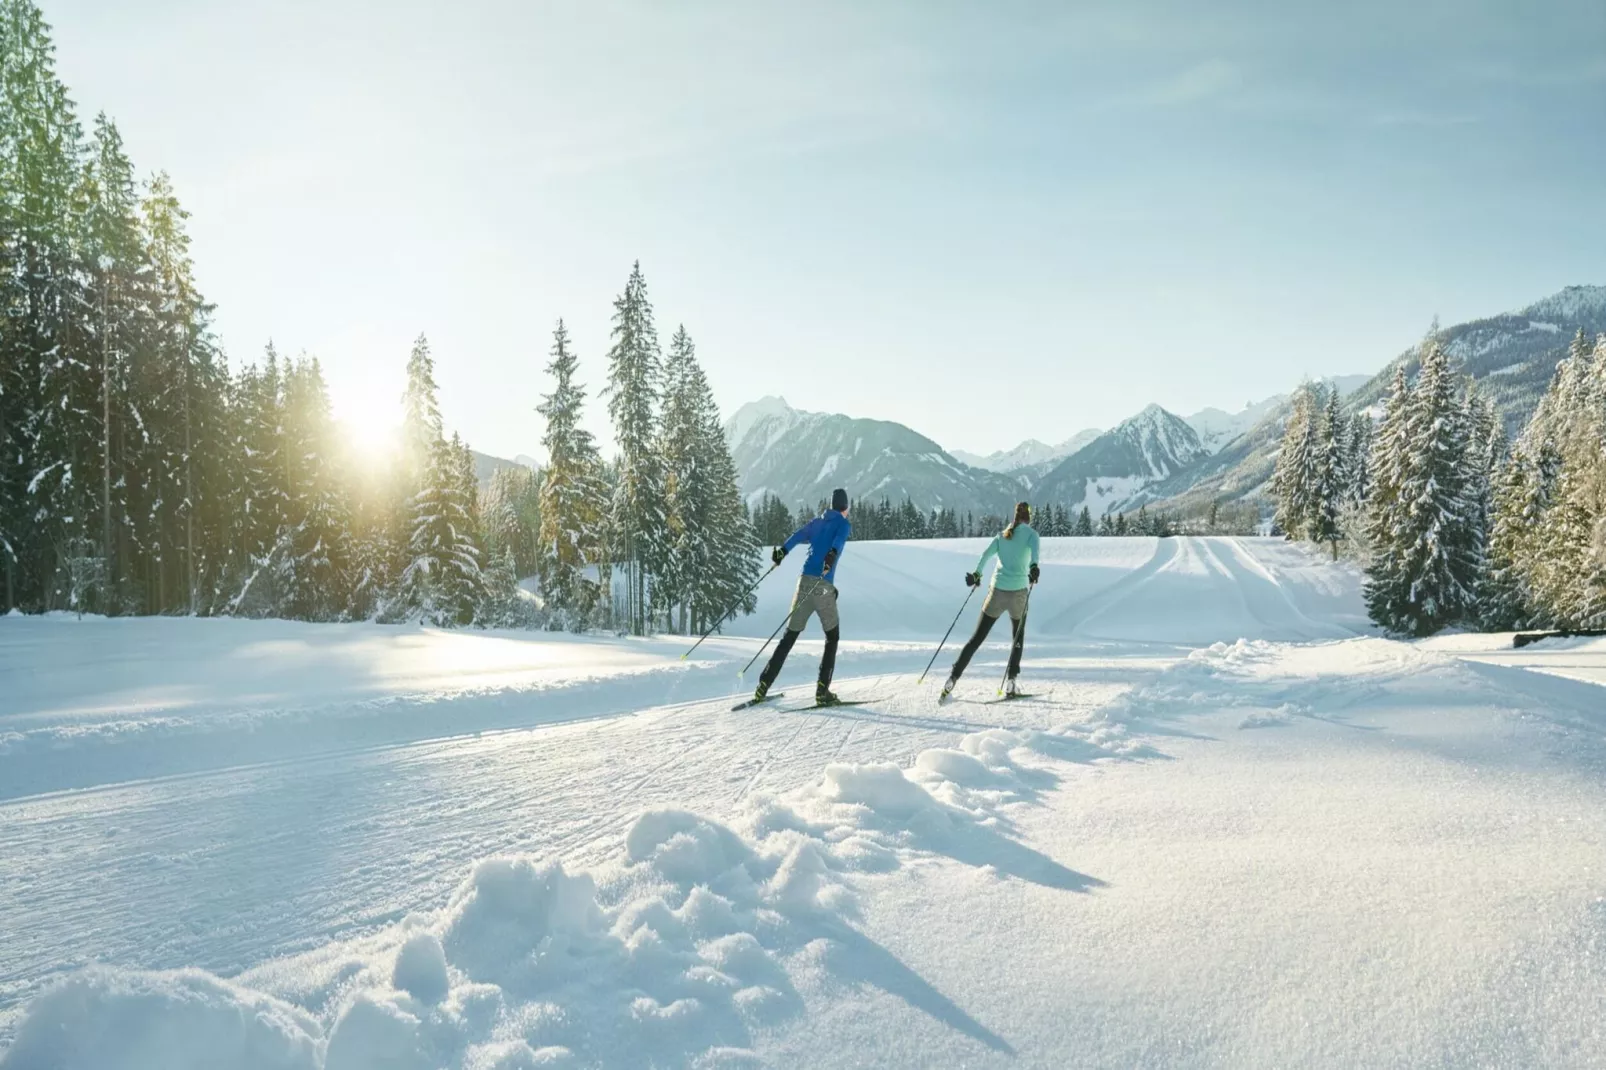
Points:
(946, 634)
(726, 615)
(767, 642)
(1020, 636)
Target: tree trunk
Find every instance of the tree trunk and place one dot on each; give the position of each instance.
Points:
(106, 436)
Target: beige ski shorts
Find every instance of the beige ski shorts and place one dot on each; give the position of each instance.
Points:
(813, 596)
(1001, 602)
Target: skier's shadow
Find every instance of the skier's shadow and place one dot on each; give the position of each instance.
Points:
(983, 847)
(855, 958)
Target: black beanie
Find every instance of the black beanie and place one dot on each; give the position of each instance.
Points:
(839, 499)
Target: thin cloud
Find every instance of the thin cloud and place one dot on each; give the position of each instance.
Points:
(1424, 119)
(1202, 81)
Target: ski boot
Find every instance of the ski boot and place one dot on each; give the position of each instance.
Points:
(824, 696)
(1011, 690)
(761, 692)
(947, 691)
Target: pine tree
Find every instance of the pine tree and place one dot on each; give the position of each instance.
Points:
(1298, 481)
(687, 498)
(1437, 534)
(1084, 522)
(1358, 459)
(573, 501)
(318, 535)
(421, 416)
(639, 518)
(1332, 474)
(729, 559)
(1505, 598)
(1387, 591)
(442, 582)
(113, 262)
(48, 389)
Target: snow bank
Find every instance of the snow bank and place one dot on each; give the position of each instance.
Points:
(674, 954)
(188, 1020)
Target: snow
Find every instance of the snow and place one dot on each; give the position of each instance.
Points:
(1231, 827)
(1510, 369)
(1572, 304)
(755, 412)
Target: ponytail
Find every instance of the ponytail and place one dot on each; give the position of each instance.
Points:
(1023, 515)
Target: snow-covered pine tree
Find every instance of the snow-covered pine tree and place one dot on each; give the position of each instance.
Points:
(48, 389)
(1084, 522)
(1358, 457)
(319, 538)
(573, 494)
(441, 583)
(729, 560)
(1438, 531)
(1564, 563)
(1387, 590)
(1331, 473)
(421, 416)
(1297, 479)
(1505, 600)
(688, 499)
(112, 260)
(197, 382)
(510, 516)
(501, 605)
(639, 519)
(262, 522)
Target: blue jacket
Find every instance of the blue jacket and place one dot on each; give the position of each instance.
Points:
(826, 532)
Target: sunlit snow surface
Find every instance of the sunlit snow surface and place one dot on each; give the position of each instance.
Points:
(1231, 828)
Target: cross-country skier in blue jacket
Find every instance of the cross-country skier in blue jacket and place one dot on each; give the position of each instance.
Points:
(827, 538)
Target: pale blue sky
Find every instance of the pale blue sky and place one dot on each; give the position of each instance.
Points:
(989, 221)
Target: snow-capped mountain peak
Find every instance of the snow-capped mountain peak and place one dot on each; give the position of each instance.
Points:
(1109, 473)
(1574, 304)
(754, 412)
(1031, 458)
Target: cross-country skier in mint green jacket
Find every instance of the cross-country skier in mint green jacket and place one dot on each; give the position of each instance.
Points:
(1016, 549)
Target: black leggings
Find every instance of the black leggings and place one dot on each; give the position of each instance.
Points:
(983, 626)
(784, 647)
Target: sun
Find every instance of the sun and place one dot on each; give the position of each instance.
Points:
(370, 423)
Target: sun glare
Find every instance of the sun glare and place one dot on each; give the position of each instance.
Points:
(371, 425)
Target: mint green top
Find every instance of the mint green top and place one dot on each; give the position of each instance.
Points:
(1015, 557)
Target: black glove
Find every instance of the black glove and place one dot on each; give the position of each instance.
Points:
(830, 559)
(973, 579)
(1033, 574)
(778, 554)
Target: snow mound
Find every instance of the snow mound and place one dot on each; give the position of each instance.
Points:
(676, 954)
(185, 1020)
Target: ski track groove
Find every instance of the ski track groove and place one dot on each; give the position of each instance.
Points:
(228, 867)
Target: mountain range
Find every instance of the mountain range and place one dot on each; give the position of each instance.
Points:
(1155, 456)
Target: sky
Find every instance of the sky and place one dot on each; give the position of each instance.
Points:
(988, 221)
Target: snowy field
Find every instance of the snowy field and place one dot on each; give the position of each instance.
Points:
(1231, 828)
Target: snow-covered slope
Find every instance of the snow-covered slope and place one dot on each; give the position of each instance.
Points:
(1110, 473)
(800, 456)
(401, 848)
(1511, 356)
(1032, 458)
(1216, 427)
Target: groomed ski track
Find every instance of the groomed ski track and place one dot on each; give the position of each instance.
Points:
(244, 830)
